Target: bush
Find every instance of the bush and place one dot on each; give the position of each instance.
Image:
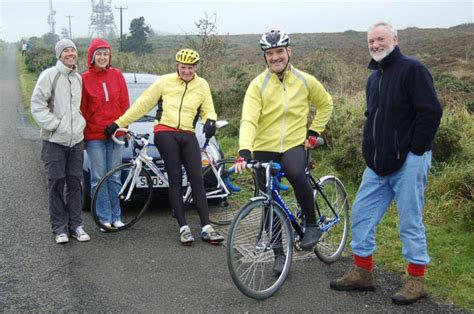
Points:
(470, 105)
(450, 195)
(337, 76)
(39, 58)
(447, 143)
(344, 137)
(228, 101)
(451, 83)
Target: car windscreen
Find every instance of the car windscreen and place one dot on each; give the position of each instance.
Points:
(134, 91)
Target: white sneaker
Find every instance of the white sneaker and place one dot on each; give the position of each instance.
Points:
(106, 225)
(210, 235)
(185, 236)
(80, 234)
(118, 224)
(62, 238)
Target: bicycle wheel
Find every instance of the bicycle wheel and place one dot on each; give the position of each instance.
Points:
(131, 200)
(334, 224)
(231, 191)
(253, 244)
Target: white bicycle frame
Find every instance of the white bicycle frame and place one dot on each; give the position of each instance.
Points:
(221, 190)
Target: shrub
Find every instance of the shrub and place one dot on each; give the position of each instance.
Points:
(451, 83)
(450, 195)
(228, 100)
(39, 58)
(470, 105)
(447, 144)
(344, 137)
(337, 76)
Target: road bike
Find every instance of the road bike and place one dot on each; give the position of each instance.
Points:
(132, 184)
(265, 226)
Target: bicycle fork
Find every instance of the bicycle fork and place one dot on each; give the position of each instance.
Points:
(132, 176)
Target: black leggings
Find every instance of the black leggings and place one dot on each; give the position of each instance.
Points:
(293, 163)
(176, 149)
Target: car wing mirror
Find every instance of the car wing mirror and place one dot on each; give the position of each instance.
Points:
(221, 123)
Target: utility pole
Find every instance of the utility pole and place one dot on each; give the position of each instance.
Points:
(121, 8)
(70, 33)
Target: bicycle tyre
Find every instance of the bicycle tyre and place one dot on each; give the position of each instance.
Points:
(132, 209)
(228, 206)
(334, 229)
(250, 254)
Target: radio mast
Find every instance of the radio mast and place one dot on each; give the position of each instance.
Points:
(51, 15)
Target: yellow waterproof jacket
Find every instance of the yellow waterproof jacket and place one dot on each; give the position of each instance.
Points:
(275, 113)
(179, 102)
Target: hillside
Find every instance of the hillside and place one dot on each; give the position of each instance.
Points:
(442, 49)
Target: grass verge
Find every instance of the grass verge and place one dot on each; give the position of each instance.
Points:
(27, 84)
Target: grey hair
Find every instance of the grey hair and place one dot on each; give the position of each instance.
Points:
(392, 30)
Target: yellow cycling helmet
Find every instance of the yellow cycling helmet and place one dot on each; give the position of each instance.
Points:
(187, 56)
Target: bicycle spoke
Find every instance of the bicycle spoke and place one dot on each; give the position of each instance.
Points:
(333, 207)
(250, 249)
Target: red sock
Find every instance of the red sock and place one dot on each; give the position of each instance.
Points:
(363, 262)
(416, 270)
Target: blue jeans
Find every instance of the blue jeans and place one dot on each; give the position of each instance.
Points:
(407, 187)
(104, 155)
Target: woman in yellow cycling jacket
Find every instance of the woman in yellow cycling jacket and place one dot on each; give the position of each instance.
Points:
(181, 98)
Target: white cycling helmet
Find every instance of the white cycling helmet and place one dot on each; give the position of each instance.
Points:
(274, 38)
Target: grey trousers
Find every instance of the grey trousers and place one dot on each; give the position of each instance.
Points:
(63, 168)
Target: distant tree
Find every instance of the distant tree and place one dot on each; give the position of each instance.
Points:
(137, 40)
(50, 39)
(206, 41)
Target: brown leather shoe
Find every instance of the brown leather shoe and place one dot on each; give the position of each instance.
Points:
(356, 279)
(412, 291)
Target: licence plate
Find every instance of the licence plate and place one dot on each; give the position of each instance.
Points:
(157, 182)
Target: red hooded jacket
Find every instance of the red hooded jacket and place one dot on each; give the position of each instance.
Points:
(104, 94)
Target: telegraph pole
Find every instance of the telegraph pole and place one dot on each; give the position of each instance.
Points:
(121, 9)
(70, 33)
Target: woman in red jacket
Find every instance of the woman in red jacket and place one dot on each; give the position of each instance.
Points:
(104, 100)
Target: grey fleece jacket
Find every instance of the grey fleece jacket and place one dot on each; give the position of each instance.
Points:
(63, 124)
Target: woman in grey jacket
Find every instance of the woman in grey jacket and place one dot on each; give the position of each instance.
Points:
(55, 106)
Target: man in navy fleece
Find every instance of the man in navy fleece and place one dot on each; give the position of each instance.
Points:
(403, 115)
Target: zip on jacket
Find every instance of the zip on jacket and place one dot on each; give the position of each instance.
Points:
(181, 104)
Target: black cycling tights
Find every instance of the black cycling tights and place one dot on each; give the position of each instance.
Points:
(293, 162)
(176, 149)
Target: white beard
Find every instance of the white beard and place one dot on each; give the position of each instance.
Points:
(379, 55)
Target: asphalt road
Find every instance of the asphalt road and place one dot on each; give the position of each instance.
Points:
(143, 269)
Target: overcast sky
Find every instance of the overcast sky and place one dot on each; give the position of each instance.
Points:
(21, 18)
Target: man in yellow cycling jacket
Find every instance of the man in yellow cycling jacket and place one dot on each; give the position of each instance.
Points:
(181, 97)
(274, 125)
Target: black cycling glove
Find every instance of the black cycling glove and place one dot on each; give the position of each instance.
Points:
(110, 129)
(209, 128)
(245, 154)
